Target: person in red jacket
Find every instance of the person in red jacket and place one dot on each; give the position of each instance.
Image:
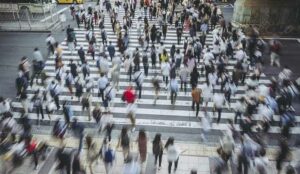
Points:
(31, 149)
(129, 95)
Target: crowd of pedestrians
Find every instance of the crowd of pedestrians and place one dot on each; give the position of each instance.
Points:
(255, 111)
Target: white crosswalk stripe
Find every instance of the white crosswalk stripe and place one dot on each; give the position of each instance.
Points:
(151, 117)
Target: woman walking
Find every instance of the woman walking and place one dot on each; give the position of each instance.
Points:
(142, 145)
(172, 153)
(124, 141)
(157, 149)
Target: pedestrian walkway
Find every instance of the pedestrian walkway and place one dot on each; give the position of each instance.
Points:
(195, 156)
(162, 117)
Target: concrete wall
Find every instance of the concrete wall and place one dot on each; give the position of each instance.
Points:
(267, 15)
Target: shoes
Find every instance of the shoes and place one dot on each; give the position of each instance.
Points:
(36, 167)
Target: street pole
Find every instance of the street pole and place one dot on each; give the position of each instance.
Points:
(28, 18)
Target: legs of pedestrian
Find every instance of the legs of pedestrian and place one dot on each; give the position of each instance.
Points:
(219, 110)
(237, 114)
(170, 166)
(197, 109)
(56, 100)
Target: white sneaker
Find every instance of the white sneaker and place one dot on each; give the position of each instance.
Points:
(133, 129)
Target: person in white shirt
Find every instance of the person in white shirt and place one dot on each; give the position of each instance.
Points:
(184, 74)
(4, 105)
(102, 83)
(104, 66)
(128, 64)
(240, 55)
(55, 89)
(69, 81)
(109, 95)
(139, 79)
(219, 101)
(206, 125)
(173, 153)
(178, 58)
(50, 41)
(216, 48)
(240, 108)
(165, 70)
(37, 55)
(212, 79)
(207, 93)
(207, 57)
(115, 76)
(173, 87)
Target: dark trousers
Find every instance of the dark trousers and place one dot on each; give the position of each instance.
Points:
(219, 110)
(173, 97)
(146, 67)
(159, 157)
(170, 165)
(34, 157)
(139, 89)
(165, 79)
(101, 94)
(184, 85)
(56, 100)
(243, 163)
(237, 114)
(178, 39)
(197, 107)
(39, 109)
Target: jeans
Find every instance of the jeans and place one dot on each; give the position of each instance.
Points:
(170, 165)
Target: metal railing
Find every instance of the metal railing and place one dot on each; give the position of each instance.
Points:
(24, 20)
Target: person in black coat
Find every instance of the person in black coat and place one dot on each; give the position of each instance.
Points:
(194, 77)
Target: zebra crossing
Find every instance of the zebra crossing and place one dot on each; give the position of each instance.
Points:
(162, 117)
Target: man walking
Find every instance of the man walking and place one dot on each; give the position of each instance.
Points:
(174, 90)
(196, 95)
(139, 78)
(111, 50)
(54, 90)
(102, 83)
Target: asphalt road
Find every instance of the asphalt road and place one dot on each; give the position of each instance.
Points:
(15, 45)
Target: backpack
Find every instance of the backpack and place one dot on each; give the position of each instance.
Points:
(108, 157)
(125, 141)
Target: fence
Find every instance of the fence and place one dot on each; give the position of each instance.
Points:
(27, 21)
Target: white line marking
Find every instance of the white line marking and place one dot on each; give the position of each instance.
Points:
(60, 11)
